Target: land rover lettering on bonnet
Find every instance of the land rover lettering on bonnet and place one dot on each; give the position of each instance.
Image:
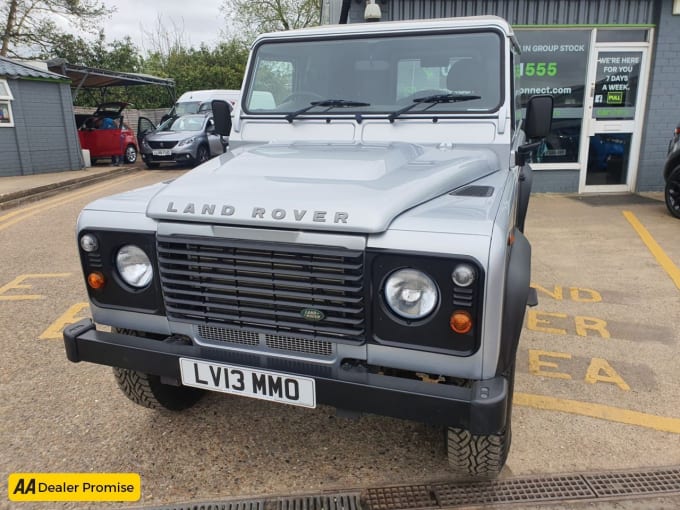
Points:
(360, 245)
(257, 212)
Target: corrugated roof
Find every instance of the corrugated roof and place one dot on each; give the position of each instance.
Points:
(16, 69)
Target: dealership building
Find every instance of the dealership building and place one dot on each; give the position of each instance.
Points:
(612, 66)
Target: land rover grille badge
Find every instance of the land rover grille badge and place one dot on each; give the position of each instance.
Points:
(312, 314)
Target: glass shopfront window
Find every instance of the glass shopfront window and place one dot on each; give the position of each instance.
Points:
(555, 62)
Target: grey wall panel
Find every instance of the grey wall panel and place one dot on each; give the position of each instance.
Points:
(10, 165)
(663, 102)
(70, 130)
(45, 137)
(555, 181)
(520, 12)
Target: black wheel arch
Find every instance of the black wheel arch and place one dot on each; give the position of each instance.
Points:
(672, 166)
(515, 299)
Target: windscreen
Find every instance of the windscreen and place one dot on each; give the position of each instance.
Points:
(378, 74)
(185, 123)
(186, 107)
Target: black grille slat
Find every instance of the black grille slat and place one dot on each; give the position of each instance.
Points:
(262, 291)
(263, 270)
(246, 322)
(249, 279)
(254, 258)
(253, 311)
(264, 286)
(282, 303)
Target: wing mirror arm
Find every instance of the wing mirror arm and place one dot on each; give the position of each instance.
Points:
(524, 151)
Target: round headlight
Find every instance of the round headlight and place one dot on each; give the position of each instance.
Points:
(411, 294)
(89, 243)
(463, 275)
(134, 266)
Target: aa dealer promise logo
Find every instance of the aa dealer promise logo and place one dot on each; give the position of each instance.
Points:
(74, 487)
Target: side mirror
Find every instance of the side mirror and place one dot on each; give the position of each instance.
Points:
(537, 124)
(538, 117)
(222, 117)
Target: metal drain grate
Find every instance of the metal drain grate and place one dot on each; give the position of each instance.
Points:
(408, 496)
(661, 481)
(234, 505)
(539, 489)
(525, 490)
(335, 502)
(551, 488)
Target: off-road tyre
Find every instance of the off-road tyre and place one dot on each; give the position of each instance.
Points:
(477, 455)
(148, 391)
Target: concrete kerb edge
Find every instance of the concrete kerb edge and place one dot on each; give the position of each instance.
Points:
(17, 198)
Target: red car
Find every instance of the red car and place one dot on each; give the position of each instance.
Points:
(106, 135)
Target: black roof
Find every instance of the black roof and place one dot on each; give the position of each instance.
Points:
(84, 77)
(10, 68)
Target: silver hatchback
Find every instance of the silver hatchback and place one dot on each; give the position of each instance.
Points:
(185, 140)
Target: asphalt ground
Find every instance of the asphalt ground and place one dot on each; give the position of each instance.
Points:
(596, 386)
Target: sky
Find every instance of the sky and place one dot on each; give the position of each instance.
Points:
(199, 20)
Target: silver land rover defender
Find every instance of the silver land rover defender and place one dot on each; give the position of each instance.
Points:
(360, 245)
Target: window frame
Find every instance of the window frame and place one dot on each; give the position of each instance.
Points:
(6, 101)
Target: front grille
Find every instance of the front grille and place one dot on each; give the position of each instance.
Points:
(298, 291)
(161, 145)
(278, 342)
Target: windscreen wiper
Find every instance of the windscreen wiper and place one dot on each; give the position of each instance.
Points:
(328, 103)
(433, 100)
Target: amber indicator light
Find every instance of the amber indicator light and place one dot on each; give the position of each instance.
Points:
(460, 322)
(96, 280)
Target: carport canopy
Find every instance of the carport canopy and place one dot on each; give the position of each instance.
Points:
(84, 77)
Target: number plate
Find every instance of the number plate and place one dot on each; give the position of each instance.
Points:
(161, 152)
(265, 385)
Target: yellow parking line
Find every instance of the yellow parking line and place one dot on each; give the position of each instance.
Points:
(26, 212)
(600, 411)
(661, 257)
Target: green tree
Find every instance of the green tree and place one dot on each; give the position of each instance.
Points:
(29, 26)
(221, 67)
(250, 18)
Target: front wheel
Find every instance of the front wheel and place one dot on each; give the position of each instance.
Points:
(477, 455)
(130, 154)
(672, 193)
(147, 390)
(202, 154)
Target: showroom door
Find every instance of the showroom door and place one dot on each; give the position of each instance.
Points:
(617, 85)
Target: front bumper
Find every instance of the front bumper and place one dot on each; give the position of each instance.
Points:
(481, 409)
(175, 157)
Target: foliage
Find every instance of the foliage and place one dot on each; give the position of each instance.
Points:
(221, 67)
(169, 56)
(250, 18)
(31, 25)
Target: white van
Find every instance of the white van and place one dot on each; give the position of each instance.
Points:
(196, 101)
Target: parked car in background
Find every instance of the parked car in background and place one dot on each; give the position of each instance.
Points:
(671, 174)
(106, 135)
(186, 140)
(198, 101)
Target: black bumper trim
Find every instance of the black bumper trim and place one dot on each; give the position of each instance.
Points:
(482, 409)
